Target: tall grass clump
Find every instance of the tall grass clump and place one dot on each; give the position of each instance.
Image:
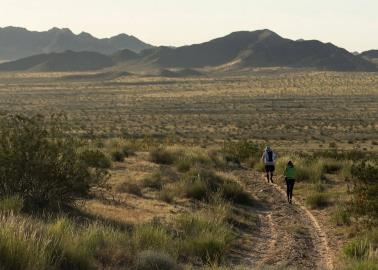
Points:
(11, 205)
(40, 162)
(187, 158)
(156, 260)
(203, 184)
(154, 237)
(317, 200)
(363, 251)
(24, 245)
(161, 155)
(341, 216)
(203, 237)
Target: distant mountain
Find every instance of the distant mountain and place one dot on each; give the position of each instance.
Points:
(370, 54)
(16, 43)
(66, 61)
(261, 48)
(124, 55)
(239, 50)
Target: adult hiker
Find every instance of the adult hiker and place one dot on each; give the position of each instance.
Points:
(289, 174)
(269, 159)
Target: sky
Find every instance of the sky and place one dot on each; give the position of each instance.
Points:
(351, 24)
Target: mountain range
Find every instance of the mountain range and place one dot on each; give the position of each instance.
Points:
(238, 50)
(16, 42)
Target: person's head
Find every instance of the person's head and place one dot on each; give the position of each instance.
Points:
(290, 164)
(267, 148)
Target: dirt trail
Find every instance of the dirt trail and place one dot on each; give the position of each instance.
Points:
(286, 236)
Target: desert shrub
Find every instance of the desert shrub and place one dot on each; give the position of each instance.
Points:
(186, 158)
(40, 163)
(117, 156)
(354, 155)
(240, 151)
(153, 181)
(203, 184)
(341, 216)
(234, 192)
(166, 195)
(11, 204)
(129, 187)
(161, 155)
(203, 237)
(365, 189)
(129, 149)
(195, 188)
(184, 164)
(96, 159)
(318, 187)
(155, 260)
(317, 200)
(332, 166)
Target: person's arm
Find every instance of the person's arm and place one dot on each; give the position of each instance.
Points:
(285, 172)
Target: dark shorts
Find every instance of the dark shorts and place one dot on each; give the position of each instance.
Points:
(269, 168)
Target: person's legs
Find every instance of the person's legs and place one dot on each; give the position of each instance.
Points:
(287, 189)
(267, 172)
(291, 188)
(272, 168)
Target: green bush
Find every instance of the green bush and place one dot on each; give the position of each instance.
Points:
(118, 156)
(154, 181)
(202, 184)
(40, 163)
(128, 150)
(96, 159)
(155, 260)
(240, 151)
(317, 200)
(161, 156)
(365, 189)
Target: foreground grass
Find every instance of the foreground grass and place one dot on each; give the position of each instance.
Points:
(63, 243)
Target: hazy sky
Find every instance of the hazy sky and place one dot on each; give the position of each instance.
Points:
(352, 24)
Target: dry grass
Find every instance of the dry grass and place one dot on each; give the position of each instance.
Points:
(306, 106)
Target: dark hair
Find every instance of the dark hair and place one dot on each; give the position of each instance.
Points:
(290, 163)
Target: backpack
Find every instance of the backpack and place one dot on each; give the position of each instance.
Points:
(269, 156)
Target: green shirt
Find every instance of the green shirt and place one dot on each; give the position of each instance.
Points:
(289, 172)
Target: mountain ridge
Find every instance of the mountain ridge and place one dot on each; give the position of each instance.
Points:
(238, 50)
(19, 42)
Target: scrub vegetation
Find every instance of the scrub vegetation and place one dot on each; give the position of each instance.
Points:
(144, 172)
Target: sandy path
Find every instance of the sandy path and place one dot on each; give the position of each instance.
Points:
(286, 236)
